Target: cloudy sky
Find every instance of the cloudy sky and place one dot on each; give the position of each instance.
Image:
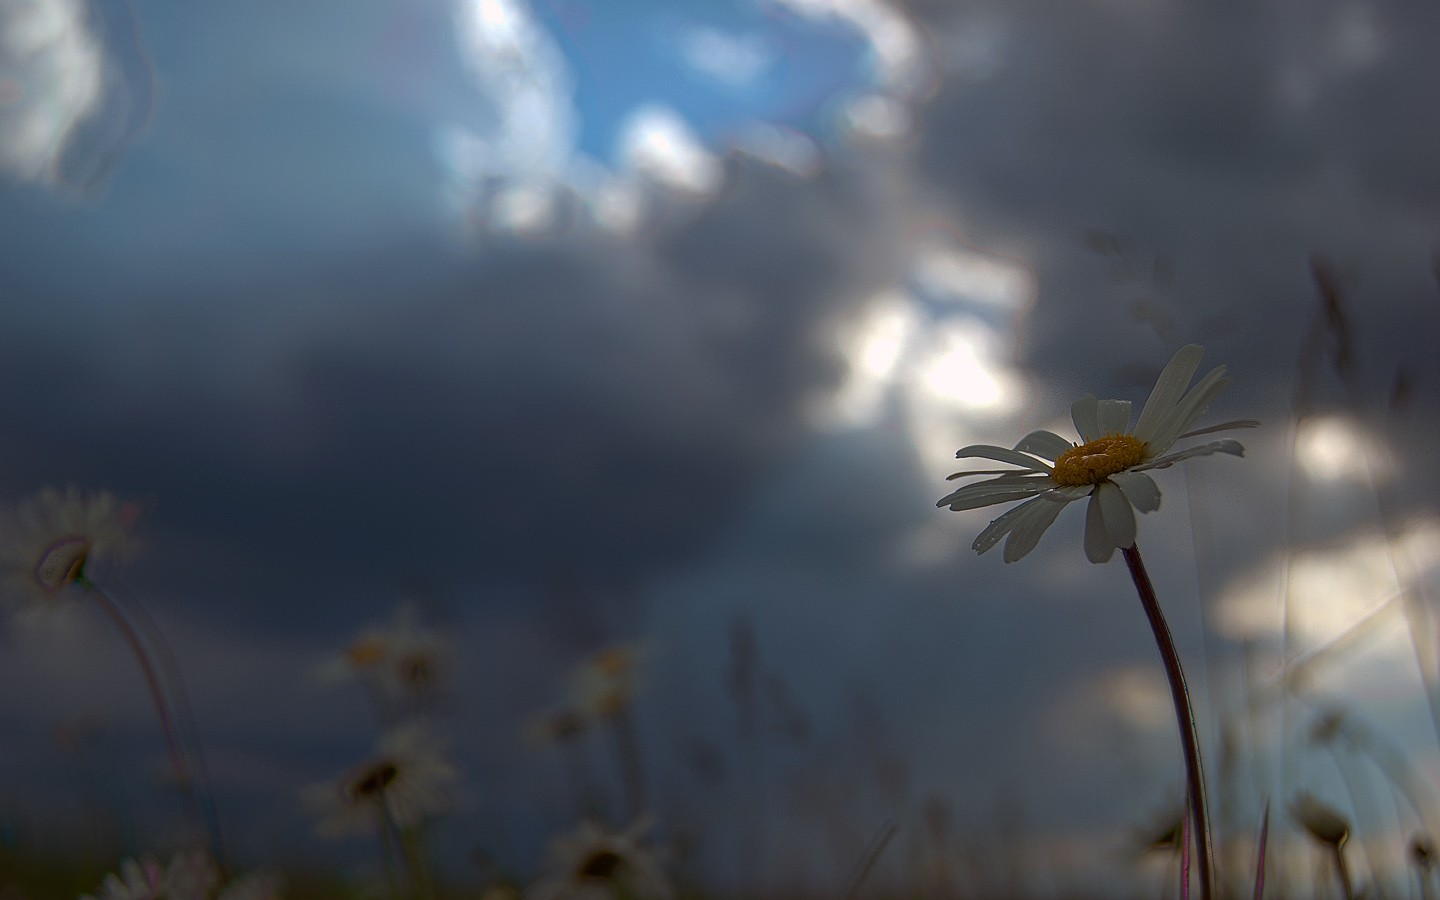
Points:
(580, 323)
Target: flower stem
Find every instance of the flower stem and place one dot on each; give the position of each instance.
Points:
(157, 694)
(1184, 715)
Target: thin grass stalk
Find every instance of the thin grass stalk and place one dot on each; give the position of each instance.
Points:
(1184, 715)
(1260, 854)
(414, 850)
(870, 857)
(389, 847)
(621, 725)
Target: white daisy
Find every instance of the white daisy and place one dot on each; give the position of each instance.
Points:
(604, 684)
(407, 664)
(408, 779)
(142, 879)
(593, 863)
(190, 876)
(1109, 467)
(47, 543)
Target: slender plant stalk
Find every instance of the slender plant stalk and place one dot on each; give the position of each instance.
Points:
(1260, 854)
(162, 707)
(1342, 869)
(187, 733)
(389, 839)
(420, 881)
(627, 751)
(1185, 854)
(1184, 715)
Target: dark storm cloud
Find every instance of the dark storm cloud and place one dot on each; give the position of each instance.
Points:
(1171, 123)
(1175, 171)
(579, 408)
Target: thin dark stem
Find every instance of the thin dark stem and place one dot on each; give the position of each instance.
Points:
(157, 693)
(389, 838)
(187, 732)
(1185, 855)
(1184, 715)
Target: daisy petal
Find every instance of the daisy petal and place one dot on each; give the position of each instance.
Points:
(1044, 443)
(1011, 472)
(1114, 416)
(1119, 514)
(1009, 522)
(1085, 413)
(1232, 447)
(1168, 390)
(987, 451)
(999, 527)
(1140, 490)
(1190, 407)
(1098, 545)
(1068, 493)
(996, 490)
(1223, 426)
(1029, 528)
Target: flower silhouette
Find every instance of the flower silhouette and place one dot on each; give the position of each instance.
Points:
(46, 545)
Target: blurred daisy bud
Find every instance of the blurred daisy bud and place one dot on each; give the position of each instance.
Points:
(1324, 822)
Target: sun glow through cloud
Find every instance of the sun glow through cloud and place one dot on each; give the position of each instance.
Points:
(1333, 589)
(937, 348)
(1335, 448)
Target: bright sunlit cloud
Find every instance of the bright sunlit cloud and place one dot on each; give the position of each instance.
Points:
(958, 276)
(52, 71)
(657, 143)
(1335, 448)
(783, 148)
(1333, 589)
(514, 159)
(897, 63)
(936, 348)
(507, 173)
(961, 368)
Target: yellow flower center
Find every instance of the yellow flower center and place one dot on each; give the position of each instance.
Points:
(1094, 461)
(613, 661)
(365, 652)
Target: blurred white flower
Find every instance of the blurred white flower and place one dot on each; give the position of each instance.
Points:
(1108, 467)
(593, 863)
(603, 685)
(406, 664)
(407, 780)
(189, 876)
(554, 726)
(142, 879)
(47, 543)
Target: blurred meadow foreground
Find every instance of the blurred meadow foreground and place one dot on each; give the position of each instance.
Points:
(754, 449)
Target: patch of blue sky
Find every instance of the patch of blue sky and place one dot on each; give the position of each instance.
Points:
(720, 66)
